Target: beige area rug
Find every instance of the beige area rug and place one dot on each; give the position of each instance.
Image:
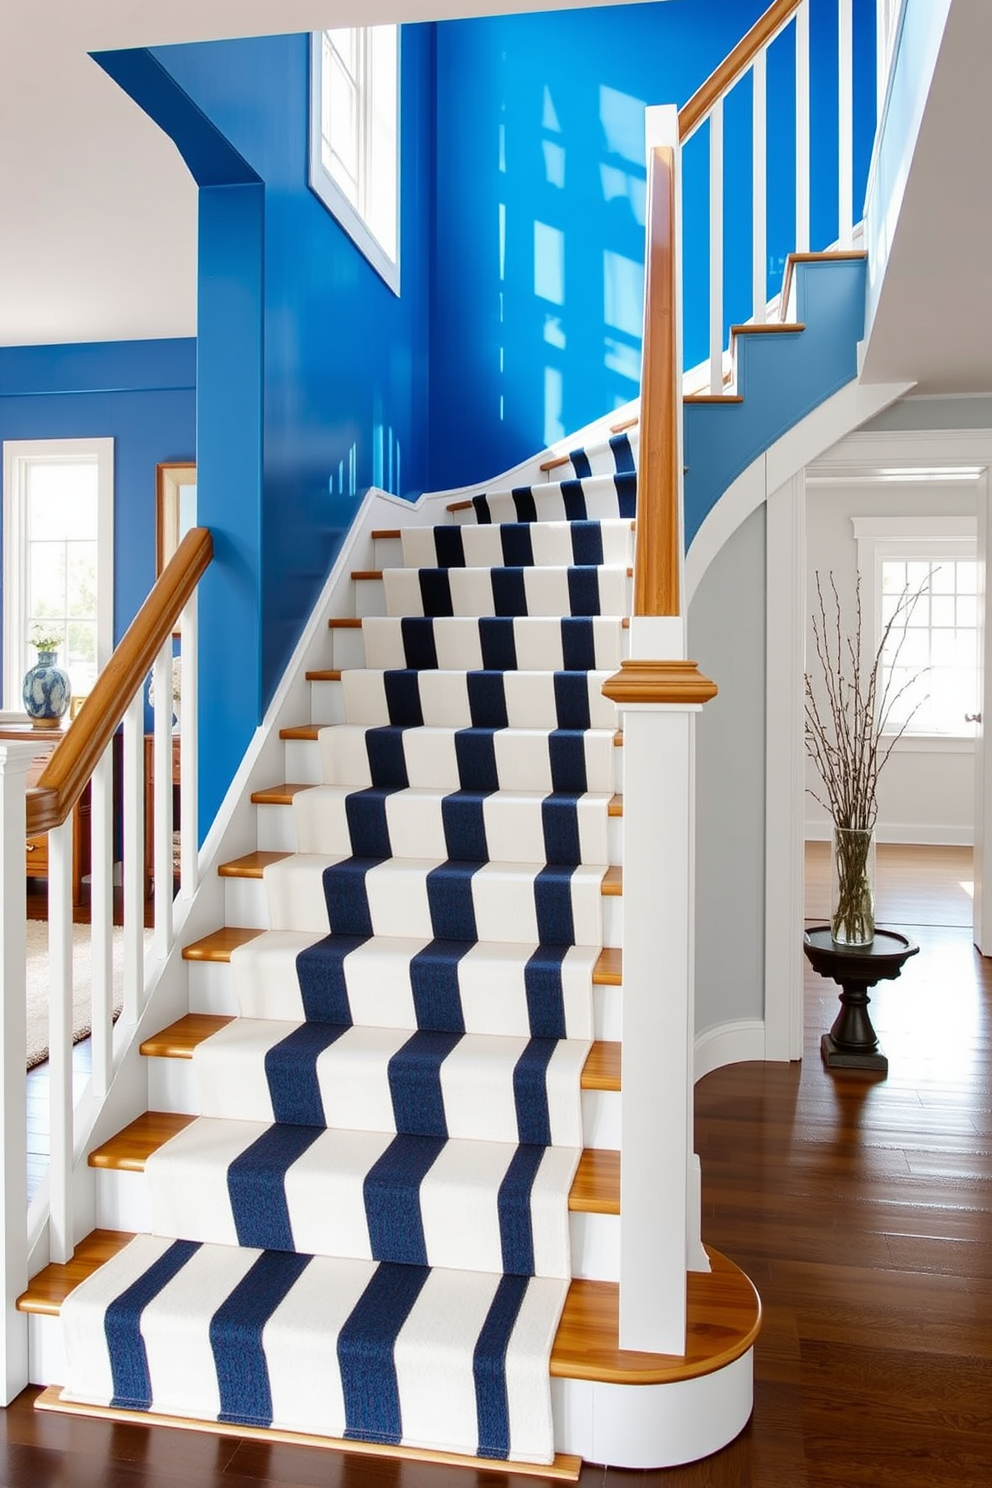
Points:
(38, 983)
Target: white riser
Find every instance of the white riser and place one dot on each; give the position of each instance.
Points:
(122, 1204)
(277, 831)
(347, 648)
(211, 990)
(387, 552)
(172, 1087)
(303, 760)
(370, 597)
(326, 702)
(245, 904)
(635, 1426)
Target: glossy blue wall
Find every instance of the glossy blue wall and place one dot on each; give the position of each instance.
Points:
(139, 393)
(536, 325)
(312, 374)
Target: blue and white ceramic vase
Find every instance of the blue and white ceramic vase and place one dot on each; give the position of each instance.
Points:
(46, 693)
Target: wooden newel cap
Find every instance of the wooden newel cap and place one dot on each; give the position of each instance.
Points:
(659, 682)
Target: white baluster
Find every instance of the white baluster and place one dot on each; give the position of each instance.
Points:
(61, 1239)
(716, 248)
(133, 893)
(759, 207)
(162, 811)
(102, 920)
(802, 128)
(189, 841)
(15, 758)
(845, 125)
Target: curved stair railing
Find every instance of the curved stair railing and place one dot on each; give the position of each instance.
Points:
(84, 755)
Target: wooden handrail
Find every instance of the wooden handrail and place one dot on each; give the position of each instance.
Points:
(63, 779)
(719, 82)
(658, 556)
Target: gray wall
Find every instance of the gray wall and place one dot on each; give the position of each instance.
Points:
(933, 413)
(727, 639)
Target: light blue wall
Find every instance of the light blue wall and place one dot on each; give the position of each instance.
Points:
(536, 325)
(312, 374)
(139, 393)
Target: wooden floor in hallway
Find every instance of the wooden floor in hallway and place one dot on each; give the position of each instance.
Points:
(860, 1205)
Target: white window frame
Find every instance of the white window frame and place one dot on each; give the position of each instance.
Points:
(384, 258)
(913, 538)
(18, 455)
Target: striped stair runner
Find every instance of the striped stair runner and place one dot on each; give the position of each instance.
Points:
(365, 1234)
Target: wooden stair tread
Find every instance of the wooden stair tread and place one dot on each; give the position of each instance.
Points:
(554, 464)
(251, 865)
(130, 1148)
(767, 328)
(382, 533)
(328, 674)
(278, 795)
(839, 255)
(608, 971)
(601, 1072)
(613, 880)
(454, 506)
(627, 424)
(301, 731)
(218, 945)
(724, 1316)
(366, 573)
(344, 622)
(180, 1038)
(595, 1187)
(713, 398)
(615, 807)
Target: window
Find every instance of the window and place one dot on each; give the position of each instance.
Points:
(57, 557)
(898, 557)
(354, 137)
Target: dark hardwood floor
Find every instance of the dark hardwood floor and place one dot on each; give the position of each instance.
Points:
(862, 1208)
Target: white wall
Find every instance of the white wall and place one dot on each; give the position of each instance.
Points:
(926, 792)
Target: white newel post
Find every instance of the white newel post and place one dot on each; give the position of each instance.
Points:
(14, 762)
(659, 1214)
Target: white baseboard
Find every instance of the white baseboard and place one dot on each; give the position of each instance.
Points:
(729, 1043)
(921, 834)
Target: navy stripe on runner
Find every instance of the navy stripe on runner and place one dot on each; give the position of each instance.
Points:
(578, 643)
(414, 1073)
(567, 749)
(530, 1091)
(437, 998)
(626, 484)
(482, 512)
(492, 1407)
(560, 822)
(323, 982)
(122, 1327)
(623, 455)
(587, 542)
(553, 903)
(517, 544)
(499, 647)
(449, 546)
(463, 819)
(392, 1199)
(419, 649)
(524, 504)
(475, 751)
(574, 498)
(365, 1353)
(385, 752)
(583, 591)
(580, 462)
(449, 897)
(256, 1185)
(347, 902)
(487, 699)
(435, 591)
(516, 1226)
(236, 1337)
(368, 829)
(291, 1073)
(509, 592)
(572, 699)
(544, 991)
(403, 705)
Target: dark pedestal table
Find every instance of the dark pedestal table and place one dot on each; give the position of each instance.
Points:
(852, 1042)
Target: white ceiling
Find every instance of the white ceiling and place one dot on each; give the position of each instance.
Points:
(99, 212)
